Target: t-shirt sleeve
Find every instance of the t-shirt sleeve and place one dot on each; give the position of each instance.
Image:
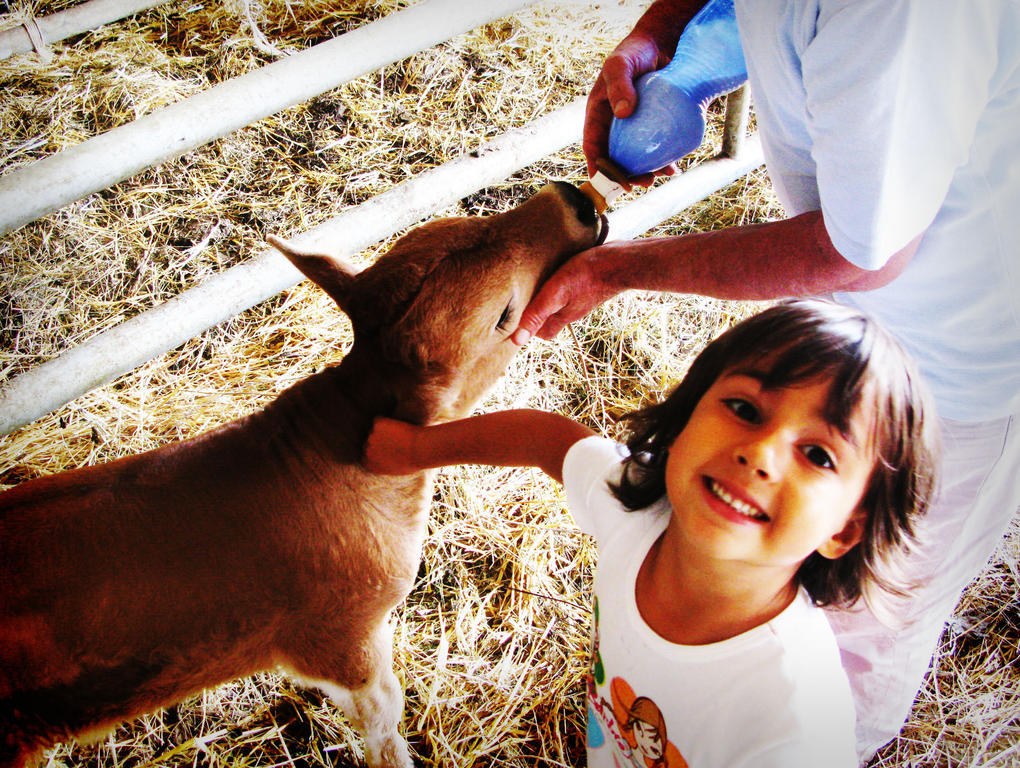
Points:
(892, 101)
(588, 467)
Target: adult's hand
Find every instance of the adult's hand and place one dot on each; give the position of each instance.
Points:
(648, 47)
(614, 95)
(573, 291)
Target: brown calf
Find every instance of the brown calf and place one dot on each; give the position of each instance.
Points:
(127, 586)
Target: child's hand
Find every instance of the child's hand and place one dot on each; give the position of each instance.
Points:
(389, 449)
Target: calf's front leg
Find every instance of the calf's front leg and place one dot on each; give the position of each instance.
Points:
(361, 682)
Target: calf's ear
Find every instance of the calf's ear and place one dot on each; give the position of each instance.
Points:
(328, 272)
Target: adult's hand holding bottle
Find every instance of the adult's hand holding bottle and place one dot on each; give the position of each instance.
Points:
(669, 119)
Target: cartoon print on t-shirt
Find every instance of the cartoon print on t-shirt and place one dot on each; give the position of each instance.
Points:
(598, 671)
(632, 727)
(596, 677)
(644, 727)
(595, 737)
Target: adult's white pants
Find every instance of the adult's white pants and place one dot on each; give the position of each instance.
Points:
(979, 494)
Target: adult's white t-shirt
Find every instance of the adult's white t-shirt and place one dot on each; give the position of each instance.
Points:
(896, 117)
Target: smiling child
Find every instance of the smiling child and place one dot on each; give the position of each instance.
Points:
(783, 474)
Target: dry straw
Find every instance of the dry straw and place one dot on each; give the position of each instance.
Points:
(492, 644)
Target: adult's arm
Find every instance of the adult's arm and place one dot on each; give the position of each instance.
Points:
(780, 259)
(514, 438)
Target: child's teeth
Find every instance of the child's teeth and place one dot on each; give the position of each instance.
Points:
(739, 506)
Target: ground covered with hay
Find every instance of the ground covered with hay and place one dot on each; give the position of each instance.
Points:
(492, 644)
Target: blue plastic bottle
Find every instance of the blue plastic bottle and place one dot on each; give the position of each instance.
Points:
(669, 121)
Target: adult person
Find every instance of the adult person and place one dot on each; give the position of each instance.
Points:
(889, 132)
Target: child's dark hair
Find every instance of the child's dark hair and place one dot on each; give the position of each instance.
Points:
(801, 342)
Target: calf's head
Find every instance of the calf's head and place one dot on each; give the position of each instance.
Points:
(433, 317)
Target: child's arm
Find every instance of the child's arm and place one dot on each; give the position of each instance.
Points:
(518, 438)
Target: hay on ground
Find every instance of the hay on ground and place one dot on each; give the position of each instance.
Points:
(492, 643)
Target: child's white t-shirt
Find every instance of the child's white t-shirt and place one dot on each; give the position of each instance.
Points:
(775, 696)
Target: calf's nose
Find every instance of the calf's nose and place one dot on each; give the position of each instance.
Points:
(583, 208)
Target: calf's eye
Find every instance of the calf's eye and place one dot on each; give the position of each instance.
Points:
(504, 318)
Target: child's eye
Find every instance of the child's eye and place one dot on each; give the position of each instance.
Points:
(743, 409)
(819, 456)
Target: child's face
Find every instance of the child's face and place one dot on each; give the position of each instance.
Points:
(762, 477)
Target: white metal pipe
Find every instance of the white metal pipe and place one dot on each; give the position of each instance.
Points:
(63, 24)
(738, 110)
(48, 184)
(695, 184)
(112, 353)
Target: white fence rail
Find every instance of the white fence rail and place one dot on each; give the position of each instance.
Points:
(118, 350)
(50, 183)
